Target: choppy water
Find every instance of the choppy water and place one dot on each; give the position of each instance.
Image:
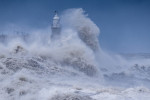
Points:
(72, 67)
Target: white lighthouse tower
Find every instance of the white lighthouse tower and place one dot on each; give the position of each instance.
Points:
(55, 27)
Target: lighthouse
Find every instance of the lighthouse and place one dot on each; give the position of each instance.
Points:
(55, 27)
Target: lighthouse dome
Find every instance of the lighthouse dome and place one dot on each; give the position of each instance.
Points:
(56, 17)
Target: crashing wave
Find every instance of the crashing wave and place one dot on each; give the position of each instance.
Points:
(72, 68)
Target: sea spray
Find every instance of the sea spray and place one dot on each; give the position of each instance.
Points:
(71, 67)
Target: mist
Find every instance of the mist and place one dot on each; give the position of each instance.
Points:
(124, 23)
(35, 67)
